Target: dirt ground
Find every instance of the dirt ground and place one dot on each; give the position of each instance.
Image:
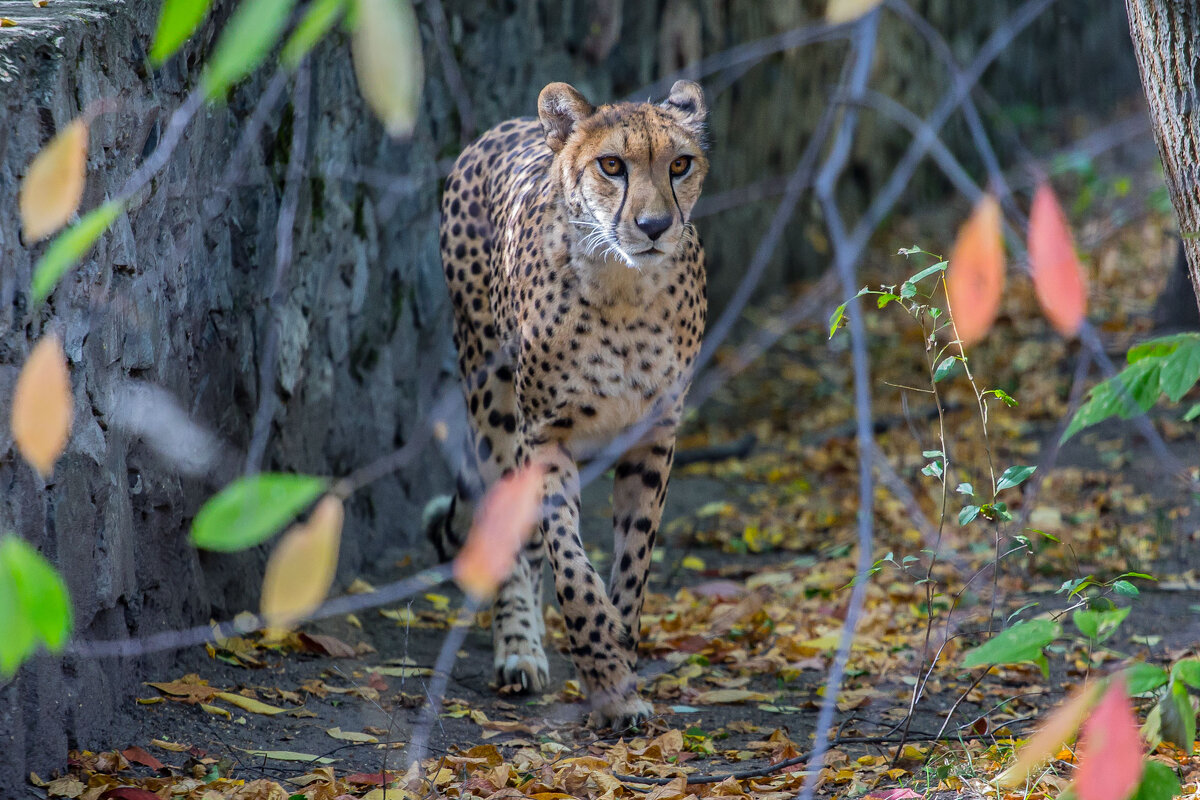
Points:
(749, 595)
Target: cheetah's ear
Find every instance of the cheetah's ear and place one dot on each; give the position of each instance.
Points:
(560, 107)
(686, 104)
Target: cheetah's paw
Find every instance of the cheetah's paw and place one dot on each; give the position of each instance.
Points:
(522, 663)
(621, 713)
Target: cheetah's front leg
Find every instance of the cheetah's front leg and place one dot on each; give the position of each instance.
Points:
(601, 645)
(639, 491)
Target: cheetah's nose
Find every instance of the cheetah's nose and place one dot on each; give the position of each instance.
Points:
(653, 227)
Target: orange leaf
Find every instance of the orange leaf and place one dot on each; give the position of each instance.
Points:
(846, 10)
(975, 277)
(505, 518)
(1045, 744)
(42, 409)
(1057, 274)
(1110, 749)
(53, 187)
(301, 567)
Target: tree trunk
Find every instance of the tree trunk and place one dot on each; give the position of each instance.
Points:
(1166, 40)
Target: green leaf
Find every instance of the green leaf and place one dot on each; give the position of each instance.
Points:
(1014, 476)
(1004, 397)
(17, 637)
(966, 488)
(1125, 589)
(930, 270)
(1188, 671)
(968, 515)
(1099, 625)
(932, 454)
(34, 604)
(835, 319)
(1130, 391)
(1159, 782)
(1180, 370)
(1142, 677)
(1022, 642)
(945, 369)
(1158, 348)
(321, 16)
(70, 246)
(885, 298)
(1192, 413)
(246, 40)
(1178, 717)
(252, 509)
(177, 22)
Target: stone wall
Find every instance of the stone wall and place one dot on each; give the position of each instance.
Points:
(176, 298)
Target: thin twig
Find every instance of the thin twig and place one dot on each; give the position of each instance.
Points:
(845, 260)
(285, 230)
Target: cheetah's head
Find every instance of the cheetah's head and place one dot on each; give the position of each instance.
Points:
(630, 172)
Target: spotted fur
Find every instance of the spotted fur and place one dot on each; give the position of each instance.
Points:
(579, 301)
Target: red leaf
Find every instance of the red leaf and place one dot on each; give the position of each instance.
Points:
(372, 778)
(975, 277)
(503, 522)
(139, 756)
(1057, 274)
(129, 793)
(1110, 749)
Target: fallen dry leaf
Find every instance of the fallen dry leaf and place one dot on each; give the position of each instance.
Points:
(139, 756)
(249, 704)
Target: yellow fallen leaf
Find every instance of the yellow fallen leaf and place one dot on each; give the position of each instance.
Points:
(730, 696)
(440, 601)
(692, 562)
(301, 567)
(249, 704)
(42, 409)
(6, 22)
(402, 672)
(174, 747)
(351, 736)
(287, 755)
(149, 701)
(216, 711)
(53, 186)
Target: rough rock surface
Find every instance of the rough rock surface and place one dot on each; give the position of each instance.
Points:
(176, 297)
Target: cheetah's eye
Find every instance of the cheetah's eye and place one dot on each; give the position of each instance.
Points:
(611, 165)
(680, 166)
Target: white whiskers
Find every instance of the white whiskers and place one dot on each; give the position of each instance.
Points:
(601, 241)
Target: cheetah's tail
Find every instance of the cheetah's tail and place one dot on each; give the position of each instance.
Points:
(437, 520)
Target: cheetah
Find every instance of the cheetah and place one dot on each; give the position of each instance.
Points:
(578, 290)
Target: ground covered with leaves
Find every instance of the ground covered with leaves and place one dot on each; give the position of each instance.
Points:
(750, 590)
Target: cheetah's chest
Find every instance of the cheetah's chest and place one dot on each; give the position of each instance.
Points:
(607, 371)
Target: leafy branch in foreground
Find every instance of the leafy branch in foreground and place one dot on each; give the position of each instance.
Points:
(1165, 367)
